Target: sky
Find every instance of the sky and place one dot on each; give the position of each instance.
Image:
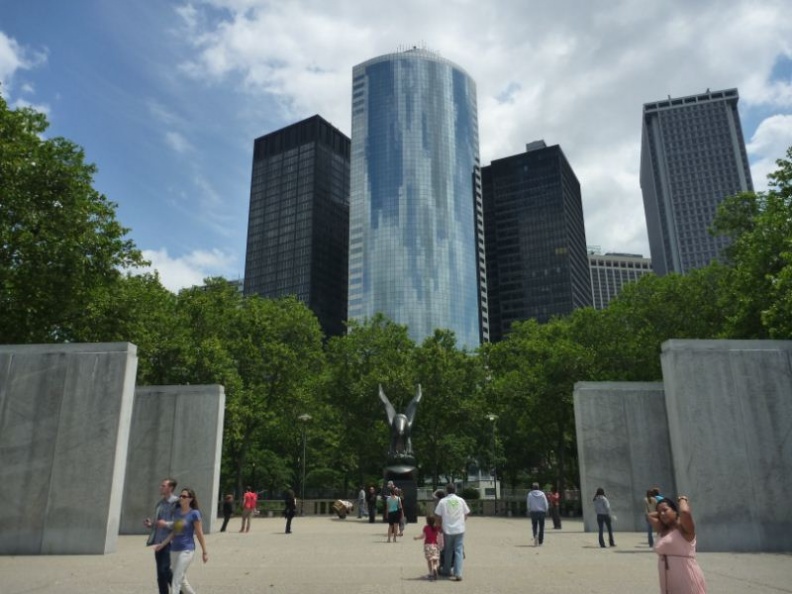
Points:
(167, 96)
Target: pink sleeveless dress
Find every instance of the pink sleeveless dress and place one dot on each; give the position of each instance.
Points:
(679, 571)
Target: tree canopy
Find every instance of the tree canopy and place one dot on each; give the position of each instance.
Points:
(61, 246)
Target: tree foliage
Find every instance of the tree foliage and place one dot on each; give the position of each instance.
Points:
(61, 246)
(760, 257)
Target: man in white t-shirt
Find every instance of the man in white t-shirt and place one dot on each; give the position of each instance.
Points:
(452, 511)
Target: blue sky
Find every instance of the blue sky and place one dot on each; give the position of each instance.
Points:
(167, 96)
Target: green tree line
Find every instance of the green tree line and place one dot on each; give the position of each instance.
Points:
(69, 273)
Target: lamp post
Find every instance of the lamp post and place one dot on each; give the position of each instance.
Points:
(492, 418)
(304, 418)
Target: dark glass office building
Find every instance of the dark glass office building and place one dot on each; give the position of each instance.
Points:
(298, 228)
(692, 157)
(537, 263)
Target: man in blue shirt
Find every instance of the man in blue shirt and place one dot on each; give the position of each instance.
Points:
(160, 527)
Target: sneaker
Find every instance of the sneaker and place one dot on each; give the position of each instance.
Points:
(455, 578)
(536, 541)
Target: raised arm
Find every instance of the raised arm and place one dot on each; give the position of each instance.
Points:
(654, 520)
(688, 527)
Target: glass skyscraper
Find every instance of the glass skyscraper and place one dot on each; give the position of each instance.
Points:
(692, 157)
(536, 240)
(416, 224)
(298, 228)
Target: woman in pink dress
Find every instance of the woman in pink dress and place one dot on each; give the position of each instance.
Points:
(676, 547)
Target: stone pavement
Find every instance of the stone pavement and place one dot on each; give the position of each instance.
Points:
(332, 556)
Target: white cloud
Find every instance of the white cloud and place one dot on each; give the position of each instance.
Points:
(14, 57)
(39, 107)
(190, 269)
(569, 72)
(178, 142)
(770, 142)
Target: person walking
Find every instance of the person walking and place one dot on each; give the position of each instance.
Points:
(228, 510)
(650, 503)
(602, 509)
(555, 507)
(678, 569)
(371, 501)
(452, 511)
(361, 503)
(431, 548)
(158, 532)
(290, 509)
(402, 515)
(185, 527)
(249, 503)
(537, 509)
(393, 509)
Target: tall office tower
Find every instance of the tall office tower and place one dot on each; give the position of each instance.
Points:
(537, 264)
(416, 251)
(610, 272)
(298, 228)
(692, 157)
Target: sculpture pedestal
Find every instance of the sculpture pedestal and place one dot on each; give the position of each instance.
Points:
(404, 477)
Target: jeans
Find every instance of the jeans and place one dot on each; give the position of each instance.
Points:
(650, 533)
(164, 574)
(605, 520)
(537, 521)
(289, 516)
(454, 553)
(556, 515)
(180, 560)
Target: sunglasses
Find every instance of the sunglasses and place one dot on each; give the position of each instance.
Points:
(184, 497)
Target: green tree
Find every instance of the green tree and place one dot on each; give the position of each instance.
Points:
(759, 291)
(533, 375)
(449, 429)
(61, 246)
(267, 353)
(373, 353)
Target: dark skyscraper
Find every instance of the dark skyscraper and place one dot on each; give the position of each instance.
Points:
(537, 263)
(692, 157)
(298, 228)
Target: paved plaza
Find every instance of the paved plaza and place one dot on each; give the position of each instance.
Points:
(332, 556)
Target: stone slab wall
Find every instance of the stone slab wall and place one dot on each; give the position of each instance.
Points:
(176, 432)
(64, 427)
(623, 447)
(729, 409)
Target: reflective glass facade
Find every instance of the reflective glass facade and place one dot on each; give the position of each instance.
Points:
(298, 227)
(692, 157)
(416, 227)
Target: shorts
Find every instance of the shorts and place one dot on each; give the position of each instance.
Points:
(393, 517)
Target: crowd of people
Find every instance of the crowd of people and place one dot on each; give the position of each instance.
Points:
(177, 523)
